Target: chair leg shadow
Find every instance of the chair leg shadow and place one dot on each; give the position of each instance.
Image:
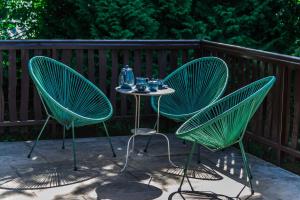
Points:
(201, 172)
(193, 194)
(184, 194)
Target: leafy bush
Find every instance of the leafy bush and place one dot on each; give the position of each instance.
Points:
(272, 25)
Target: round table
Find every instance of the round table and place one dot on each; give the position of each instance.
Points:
(145, 131)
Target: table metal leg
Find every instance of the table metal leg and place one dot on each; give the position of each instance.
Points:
(156, 125)
(169, 154)
(158, 109)
(139, 111)
(137, 117)
(137, 125)
(157, 131)
(127, 154)
(132, 138)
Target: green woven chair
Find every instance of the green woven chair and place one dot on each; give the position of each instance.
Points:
(197, 84)
(224, 122)
(68, 97)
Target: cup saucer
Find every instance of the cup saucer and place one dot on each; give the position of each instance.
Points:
(125, 87)
(142, 91)
(162, 87)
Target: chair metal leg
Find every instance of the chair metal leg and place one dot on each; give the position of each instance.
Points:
(198, 154)
(74, 147)
(109, 140)
(246, 166)
(64, 135)
(187, 163)
(38, 137)
(148, 142)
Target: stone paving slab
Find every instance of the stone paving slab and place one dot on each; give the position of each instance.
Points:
(49, 174)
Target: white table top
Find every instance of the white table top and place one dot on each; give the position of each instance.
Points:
(135, 92)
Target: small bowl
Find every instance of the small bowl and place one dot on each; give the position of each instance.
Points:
(126, 86)
(160, 84)
(141, 87)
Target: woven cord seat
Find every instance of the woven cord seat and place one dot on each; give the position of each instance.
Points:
(224, 122)
(197, 84)
(68, 97)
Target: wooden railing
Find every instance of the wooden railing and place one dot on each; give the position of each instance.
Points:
(99, 60)
(276, 123)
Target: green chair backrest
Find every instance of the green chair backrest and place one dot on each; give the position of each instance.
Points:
(197, 84)
(224, 122)
(67, 95)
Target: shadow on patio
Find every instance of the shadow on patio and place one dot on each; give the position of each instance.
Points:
(49, 173)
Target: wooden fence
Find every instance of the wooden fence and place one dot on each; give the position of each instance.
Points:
(276, 124)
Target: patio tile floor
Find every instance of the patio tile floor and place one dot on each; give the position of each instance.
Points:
(49, 173)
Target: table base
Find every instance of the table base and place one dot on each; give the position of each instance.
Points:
(143, 131)
(132, 138)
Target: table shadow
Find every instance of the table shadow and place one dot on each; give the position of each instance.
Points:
(128, 190)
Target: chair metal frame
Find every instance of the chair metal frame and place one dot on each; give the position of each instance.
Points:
(202, 72)
(72, 115)
(218, 127)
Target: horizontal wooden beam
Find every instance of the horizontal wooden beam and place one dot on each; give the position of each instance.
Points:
(39, 122)
(23, 123)
(251, 53)
(273, 144)
(104, 44)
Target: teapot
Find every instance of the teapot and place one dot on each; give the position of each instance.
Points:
(126, 78)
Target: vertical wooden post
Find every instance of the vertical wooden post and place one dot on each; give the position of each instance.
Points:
(91, 65)
(12, 85)
(123, 97)
(2, 100)
(24, 101)
(102, 71)
(114, 78)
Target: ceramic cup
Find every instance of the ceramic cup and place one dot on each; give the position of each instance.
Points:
(153, 85)
(141, 80)
(160, 84)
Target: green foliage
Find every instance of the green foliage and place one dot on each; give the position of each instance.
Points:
(20, 18)
(64, 19)
(124, 19)
(173, 17)
(99, 19)
(272, 25)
